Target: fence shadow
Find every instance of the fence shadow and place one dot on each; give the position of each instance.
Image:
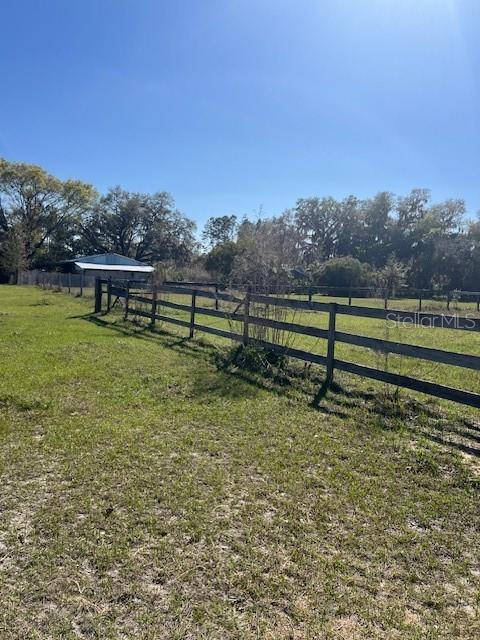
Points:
(296, 386)
(454, 432)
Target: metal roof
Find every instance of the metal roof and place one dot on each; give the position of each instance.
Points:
(108, 258)
(139, 268)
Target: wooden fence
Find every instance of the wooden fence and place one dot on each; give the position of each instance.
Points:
(242, 314)
(422, 296)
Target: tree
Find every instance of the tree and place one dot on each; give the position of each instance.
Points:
(140, 226)
(268, 251)
(318, 220)
(349, 232)
(472, 275)
(393, 276)
(220, 260)
(35, 205)
(44, 220)
(12, 253)
(428, 243)
(219, 230)
(375, 229)
(411, 208)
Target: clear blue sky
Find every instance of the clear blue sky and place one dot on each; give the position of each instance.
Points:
(232, 105)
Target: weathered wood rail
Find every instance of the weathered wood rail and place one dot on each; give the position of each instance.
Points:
(243, 315)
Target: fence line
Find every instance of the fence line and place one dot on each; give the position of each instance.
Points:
(65, 281)
(332, 336)
(424, 318)
(78, 283)
(384, 293)
(71, 282)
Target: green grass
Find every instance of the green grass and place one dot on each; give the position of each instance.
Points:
(409, 304)
(447, 339)
(147, 494)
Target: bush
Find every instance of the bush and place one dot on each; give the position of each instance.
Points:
(255, 359)
(345, 273)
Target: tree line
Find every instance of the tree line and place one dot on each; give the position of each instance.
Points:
(385, 240)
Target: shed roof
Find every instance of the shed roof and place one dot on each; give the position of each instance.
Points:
(133, 268)
(109, 258)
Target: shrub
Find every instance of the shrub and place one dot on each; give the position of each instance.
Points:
(255, 359)
(344, 273)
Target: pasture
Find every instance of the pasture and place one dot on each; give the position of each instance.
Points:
(147, 493)
(458, 341)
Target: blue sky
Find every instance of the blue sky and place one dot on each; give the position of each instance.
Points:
(240, 105)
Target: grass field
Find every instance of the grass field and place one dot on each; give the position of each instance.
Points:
(446, 339)
(410, 304)
(146, 493)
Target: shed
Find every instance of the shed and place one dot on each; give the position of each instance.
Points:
(105, 265)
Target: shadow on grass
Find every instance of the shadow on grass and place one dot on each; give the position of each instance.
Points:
(296, 387)
(308, 385)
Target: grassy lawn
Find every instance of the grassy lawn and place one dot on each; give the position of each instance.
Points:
(147, 494)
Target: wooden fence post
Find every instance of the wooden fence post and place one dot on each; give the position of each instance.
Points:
(127, 299)
(82, 281)
(420, 302)
(192, 313)
(386, 299)
(69, 282)
(109, 293)
(448, 300)
(310, 295)
(349, 297)
(98, 295)
(478, 303)
(154, 306)
(331, 343)
(246, 315)
(216, 297)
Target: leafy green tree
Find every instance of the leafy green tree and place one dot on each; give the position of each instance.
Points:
(220, 230)
(220, 260)
(428, 244)
(374, 241)
(12, 253)
(412, 208)
(349, 232)
(34, 206)
(318, 221)
(139, 225)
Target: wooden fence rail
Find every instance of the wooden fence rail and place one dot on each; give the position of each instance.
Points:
(244, 314)
(350, 292)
